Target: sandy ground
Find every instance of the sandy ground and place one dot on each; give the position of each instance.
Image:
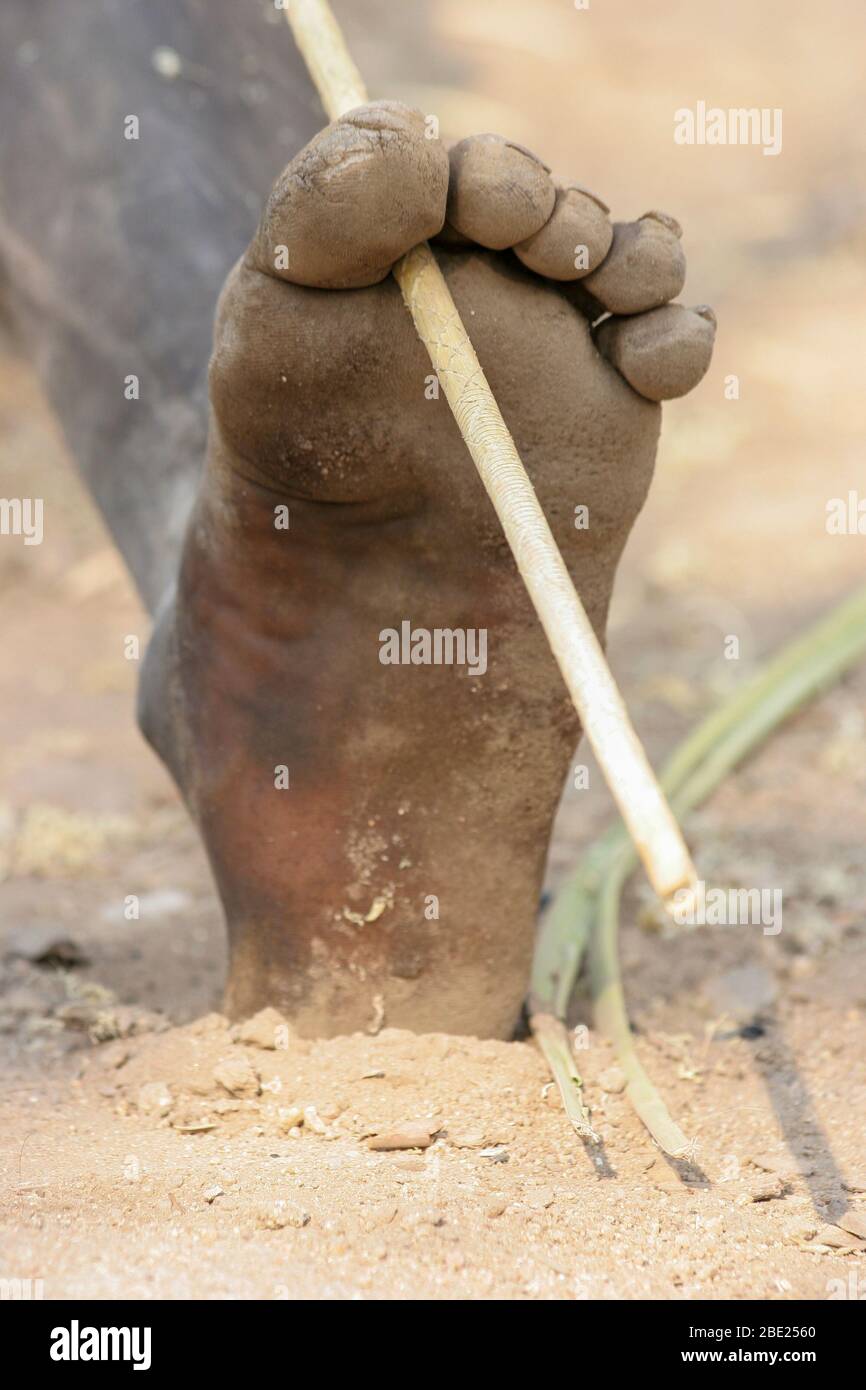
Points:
(149, 1151)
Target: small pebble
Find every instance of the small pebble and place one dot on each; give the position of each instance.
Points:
(289, 1117)
(409, 1136)
(154, 1098)
(540, 1198)
(313, 1120)
(266, 1029)
(237, 1076)
(467, 1139)
(276, 1216)
(766, 1191)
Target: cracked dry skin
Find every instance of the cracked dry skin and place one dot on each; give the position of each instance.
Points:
(397, 877)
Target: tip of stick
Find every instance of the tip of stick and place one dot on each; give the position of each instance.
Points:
(681, 904)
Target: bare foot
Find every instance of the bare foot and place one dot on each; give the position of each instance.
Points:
(378, 831)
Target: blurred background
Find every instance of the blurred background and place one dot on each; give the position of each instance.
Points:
(732, 542)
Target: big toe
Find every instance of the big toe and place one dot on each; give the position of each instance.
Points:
(362, 193)
(662, 354)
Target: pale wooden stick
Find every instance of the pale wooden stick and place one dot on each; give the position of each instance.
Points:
(574, 644)
(329, 62)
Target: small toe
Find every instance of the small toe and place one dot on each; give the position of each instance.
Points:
(662, 354)
(575, 238)
(362, 193)
(499, 193)
(644, 268)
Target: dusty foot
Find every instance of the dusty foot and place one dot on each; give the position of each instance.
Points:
(378, 831)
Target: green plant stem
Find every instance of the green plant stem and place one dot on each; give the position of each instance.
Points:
(552, 1036)
(586, 912)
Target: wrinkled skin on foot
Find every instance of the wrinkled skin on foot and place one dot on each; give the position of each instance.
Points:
(396, 878)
